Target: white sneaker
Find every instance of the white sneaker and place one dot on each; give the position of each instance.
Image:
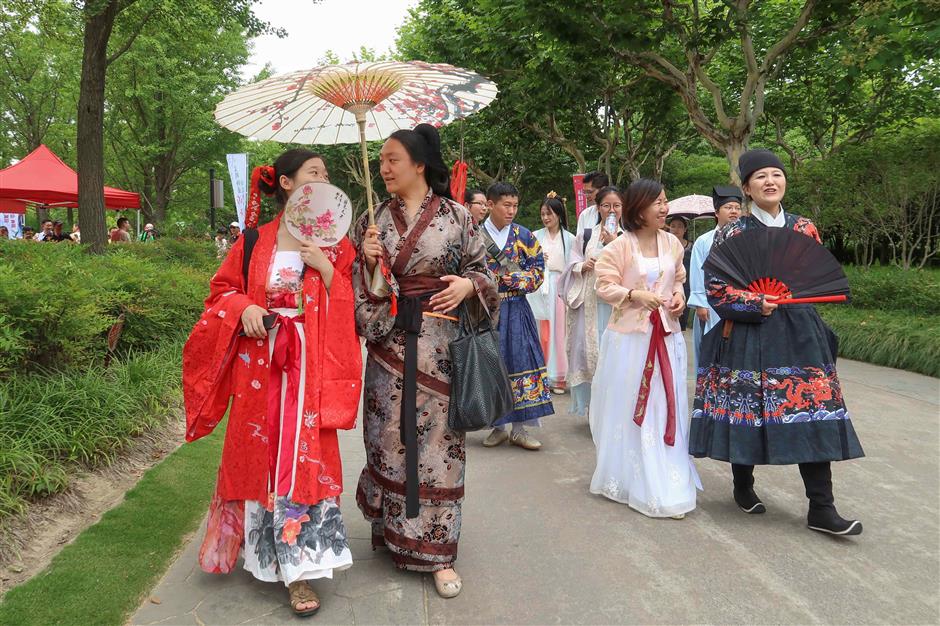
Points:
(495, 438)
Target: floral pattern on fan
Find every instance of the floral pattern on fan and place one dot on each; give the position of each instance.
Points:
(318, 212)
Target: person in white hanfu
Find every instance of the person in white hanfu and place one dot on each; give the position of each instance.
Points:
(588, 316)
(639, 406)
(547, 307)
(727, 201)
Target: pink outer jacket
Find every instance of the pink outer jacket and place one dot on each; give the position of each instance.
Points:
(618, 271)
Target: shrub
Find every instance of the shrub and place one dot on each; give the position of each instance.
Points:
(890, 338)
(893, 289)
(57, 303)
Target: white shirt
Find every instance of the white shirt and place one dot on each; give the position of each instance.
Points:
(587, 219)
(697, 295)
(764, 217)
(500, 237)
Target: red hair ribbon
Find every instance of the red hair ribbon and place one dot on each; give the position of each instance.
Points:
(253, 212)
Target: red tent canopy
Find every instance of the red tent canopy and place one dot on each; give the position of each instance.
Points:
(43, 178)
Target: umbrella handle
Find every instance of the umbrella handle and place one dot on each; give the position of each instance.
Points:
(361, 121)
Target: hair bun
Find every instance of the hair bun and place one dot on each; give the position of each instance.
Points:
(430, 135)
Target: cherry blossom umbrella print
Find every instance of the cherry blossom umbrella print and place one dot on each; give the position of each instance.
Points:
(353, 102)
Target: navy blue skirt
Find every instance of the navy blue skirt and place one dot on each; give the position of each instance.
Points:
(770, 395)
(522, 353)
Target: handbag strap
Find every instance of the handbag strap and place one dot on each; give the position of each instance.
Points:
(466, 320)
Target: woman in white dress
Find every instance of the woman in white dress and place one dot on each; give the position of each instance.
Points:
(547, 307)
(587, 316)
(639, 408)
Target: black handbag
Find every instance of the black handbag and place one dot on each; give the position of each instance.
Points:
(480, 391)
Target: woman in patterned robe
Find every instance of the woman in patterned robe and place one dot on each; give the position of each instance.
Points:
(767, 391)
(416, 265)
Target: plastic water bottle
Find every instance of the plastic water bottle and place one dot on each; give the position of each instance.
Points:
(610, 224)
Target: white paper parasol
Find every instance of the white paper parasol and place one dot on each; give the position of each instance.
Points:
(360, 102)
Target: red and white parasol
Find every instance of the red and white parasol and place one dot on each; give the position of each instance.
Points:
(361, 102)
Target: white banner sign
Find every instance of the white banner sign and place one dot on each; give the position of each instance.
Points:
(14, 223)
(238, 170)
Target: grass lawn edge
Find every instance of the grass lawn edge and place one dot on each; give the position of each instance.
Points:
(104, 575)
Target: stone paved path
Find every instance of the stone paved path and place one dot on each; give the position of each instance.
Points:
(537, 548)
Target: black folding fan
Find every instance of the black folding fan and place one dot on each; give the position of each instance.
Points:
(779, 262)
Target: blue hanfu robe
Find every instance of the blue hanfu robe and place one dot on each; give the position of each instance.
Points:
(521, 272)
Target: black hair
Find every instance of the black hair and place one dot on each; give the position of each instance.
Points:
(287, 165)
(41, 223)
(122, 220)
(597, 179)
(557, 206)
(499, 189)
(470, 193)
(221, 231)
(640, 194)
(423, 145)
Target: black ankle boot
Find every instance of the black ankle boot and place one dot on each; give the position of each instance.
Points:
(744, 494)
(829, 521)
(823, 517)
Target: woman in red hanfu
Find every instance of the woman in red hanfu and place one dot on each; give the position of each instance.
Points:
(292, 380)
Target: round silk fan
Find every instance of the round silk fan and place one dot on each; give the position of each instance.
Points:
(318, 212)
(779, 262)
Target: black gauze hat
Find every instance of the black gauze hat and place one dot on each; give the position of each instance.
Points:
(754, 160)
(723, 194)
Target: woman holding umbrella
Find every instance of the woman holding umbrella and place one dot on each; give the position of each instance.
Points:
(767, 391)
(421, 259)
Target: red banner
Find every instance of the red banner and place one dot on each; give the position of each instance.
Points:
(580, 201)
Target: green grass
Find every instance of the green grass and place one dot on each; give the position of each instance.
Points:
(103, 576)
(891, 338)
(52, 420)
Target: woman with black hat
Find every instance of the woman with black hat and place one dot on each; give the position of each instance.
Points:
(767, 391)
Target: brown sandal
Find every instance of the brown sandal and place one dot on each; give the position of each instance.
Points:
(301, 593)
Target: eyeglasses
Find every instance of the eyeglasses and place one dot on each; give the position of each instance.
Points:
(612, 207)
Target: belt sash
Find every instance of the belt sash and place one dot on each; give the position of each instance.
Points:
(285, 359)
(657, 350)
(415, 291)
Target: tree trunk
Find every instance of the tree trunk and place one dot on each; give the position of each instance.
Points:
(146, 205)
(90, 141)
(734, 148)
(162, 202)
